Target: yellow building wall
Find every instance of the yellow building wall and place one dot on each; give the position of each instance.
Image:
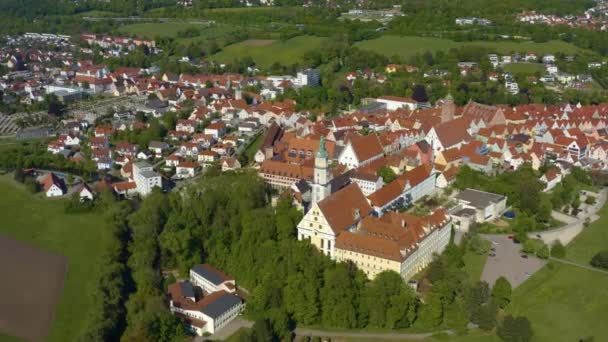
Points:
(371, 265)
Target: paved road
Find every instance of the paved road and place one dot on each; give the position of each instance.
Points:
(574, 225)
(563, 261)
(508, 262)
(302, 332)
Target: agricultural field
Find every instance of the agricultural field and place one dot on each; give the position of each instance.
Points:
(408, 46)
(27, 308)
(42, 224)
(267, 52)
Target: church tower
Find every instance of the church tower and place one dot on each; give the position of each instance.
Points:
(321, 187)
(448, 109)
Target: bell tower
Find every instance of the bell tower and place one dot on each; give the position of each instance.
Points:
(448, 109)
(321, 187)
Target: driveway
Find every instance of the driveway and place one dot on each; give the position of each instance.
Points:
(574, 225)
(508, 262)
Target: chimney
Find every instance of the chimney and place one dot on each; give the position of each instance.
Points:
(403, 224)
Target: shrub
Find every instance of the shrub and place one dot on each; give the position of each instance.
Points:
(543, 252)
(600, 259)
(529, 246)
(558, 250)
(590, 200)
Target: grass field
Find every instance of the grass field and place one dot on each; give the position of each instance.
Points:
(79, 237)
(564, 303)
(99, 14)
(169, 29)
(251, 150)
(474, 263)
(286, 52)
(590, 241)
(408, 46)
(524, 68)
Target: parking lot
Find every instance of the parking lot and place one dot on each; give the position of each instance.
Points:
(508, 262)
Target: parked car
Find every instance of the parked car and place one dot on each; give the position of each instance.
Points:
(525, 256)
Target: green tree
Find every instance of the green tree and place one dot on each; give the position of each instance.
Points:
(262, 330)
(501, 292)
(515, 329)
(476, 296)
(600, 259)
(543, 252)
(390, 301)
(431, 313)
(529, 247)
(338, 297)
(387, 174)
(558, 250)
(486, 316)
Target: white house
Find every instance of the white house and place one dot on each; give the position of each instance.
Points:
(360, 151)
(476, 206)
(85, 193)
(207, 314)
(396, 102)
(211, 279)
(369, 183)
(551, 178)
(52, 185)
(186, 169)
(145, 178)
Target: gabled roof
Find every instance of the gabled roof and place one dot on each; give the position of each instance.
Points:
(366, 146)
(453, 132)
(211, 273)
(345, 207)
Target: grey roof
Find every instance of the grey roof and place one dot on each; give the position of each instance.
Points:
(208, 274)
(479, 199)
(142, 164)
(340, 181)
(149, 174)
(221, 305)
(187, 289)
(466, 212)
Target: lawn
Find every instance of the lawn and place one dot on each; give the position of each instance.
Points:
(251, 150)
(524, 68)
(590, 241)
(564, 303)
(285, 52)
(474, 263)
(408, 46)
(43, 224)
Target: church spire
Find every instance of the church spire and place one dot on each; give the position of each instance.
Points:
(322, 153)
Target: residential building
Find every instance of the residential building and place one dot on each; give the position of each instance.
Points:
(52, 185)
(145, 178)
